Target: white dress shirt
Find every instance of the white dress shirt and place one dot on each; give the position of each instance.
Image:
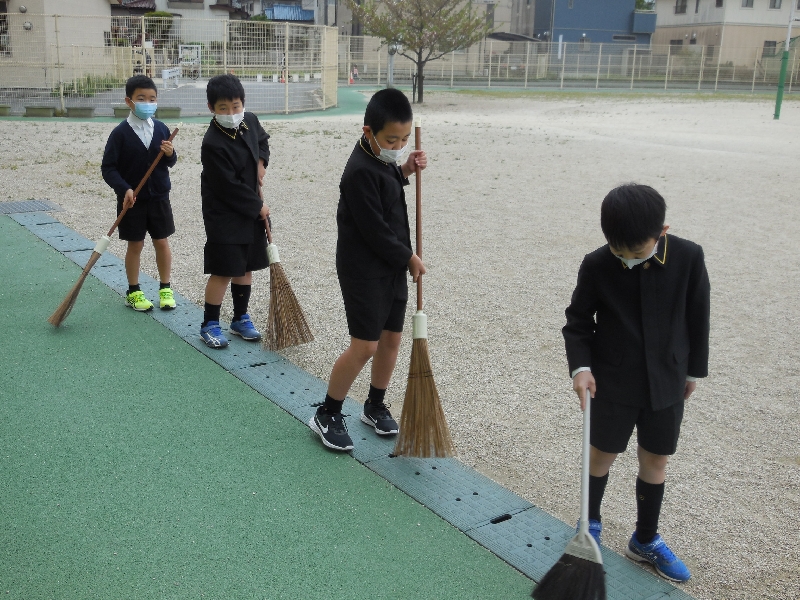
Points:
(143, 129)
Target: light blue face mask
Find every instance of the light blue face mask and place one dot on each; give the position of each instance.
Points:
(144, 110)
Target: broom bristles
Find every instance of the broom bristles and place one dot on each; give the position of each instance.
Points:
(423, 426)
(63, 310)
(572, 578)
(286, 324)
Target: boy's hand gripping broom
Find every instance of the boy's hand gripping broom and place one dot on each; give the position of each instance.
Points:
(423, 427)
(286, 324)
(67, 303)
(578, 574)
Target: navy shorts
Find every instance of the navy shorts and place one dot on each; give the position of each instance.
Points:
(656, 431)
(374, 305)
(234, 260)
(146, 216)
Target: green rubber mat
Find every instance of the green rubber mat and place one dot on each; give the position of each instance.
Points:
(512, 528)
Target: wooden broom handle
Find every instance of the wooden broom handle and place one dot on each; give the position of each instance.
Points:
(418, 172)
(142, 182)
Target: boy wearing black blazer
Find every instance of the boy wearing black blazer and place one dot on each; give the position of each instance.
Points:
(130, 150)
(234, 155)
(373, 256)
(637, 338)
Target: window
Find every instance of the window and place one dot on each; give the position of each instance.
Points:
(5, 41)
(696, 6)
(623, 38)
(584, 44)
(490, 16)
(747, 3)
(719, 3)
(676, 42)
(680, 7)
(770, 49)
(693, 41)
(569, 4)
(775, 3)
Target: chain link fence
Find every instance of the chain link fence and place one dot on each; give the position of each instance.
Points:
(577, 65)
(51, 64)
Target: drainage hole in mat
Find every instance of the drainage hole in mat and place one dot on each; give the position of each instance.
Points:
(529, 545)
(363, 439)
(500, 519)
(474, 493)
(291, 392)
(283, 373)
(434, 468)
(458, 499)
(417, 473)
(547, 537)
(391, 455)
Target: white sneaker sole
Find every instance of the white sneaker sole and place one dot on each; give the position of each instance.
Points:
(365, 419)
(313, 425)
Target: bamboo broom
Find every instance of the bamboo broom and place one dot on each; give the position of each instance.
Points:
(286, 324)
(423, 426)
(63, 310)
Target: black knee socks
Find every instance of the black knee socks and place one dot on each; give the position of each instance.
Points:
(241, 298)
(648, 507)
(597, 488)
(210, 313)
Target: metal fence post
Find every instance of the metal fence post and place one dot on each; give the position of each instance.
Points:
(794, 63)
(599, 59)
(452, 63)
(379, 66)
(666, 70)
(563, 62)
(633, 66)
(755, 70)
(527, 61)
(702, 63)
(58, 63)
(719, 60)
(286, 69)
(225, 46)
(490, 64)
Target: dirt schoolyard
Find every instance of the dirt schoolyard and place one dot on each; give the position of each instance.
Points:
(511, 201)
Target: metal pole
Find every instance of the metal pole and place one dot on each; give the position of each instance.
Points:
(666, 71)
(755, 69)
(702, 61)
(58, 65)
(390, 72)
(784, 63)
(379, 66)
(794, 68)
(599, 59)
(452, 63)
(527, 61)
(286, 67)
(563, 61)
(719, 60)
(225, 46)
(490, 64)
(633, 66)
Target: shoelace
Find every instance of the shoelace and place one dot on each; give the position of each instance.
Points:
(663, 551)
(381, 411)
(338, 426)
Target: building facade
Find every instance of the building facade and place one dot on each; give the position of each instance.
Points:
(728, 30)
(591, 21)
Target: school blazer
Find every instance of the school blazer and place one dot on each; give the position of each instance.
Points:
(641, 330)
(126, 160)
(374, 239)
(229, 182)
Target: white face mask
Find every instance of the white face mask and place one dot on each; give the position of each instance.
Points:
(230, 121)
(632, 262)
(390, 156)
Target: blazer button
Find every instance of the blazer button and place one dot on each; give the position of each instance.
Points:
(646, 265)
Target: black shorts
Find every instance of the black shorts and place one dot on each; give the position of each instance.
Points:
(372, 305)
(656, 431)
(234, 260)
(146, 216)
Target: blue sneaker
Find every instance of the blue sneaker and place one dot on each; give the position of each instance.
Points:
(595, 529)
(211, 334)
(658, 554)
(245, 328)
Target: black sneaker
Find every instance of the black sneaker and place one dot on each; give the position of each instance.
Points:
(331, 429)
(378, 416)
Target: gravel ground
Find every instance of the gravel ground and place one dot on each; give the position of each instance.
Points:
(512, 199)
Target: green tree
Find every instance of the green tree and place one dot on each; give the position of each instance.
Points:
(426, 29)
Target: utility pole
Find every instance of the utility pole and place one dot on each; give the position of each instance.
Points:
(784, 63)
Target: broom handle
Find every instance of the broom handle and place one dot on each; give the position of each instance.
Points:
(141, 183)
(585, 464)
(418, 172)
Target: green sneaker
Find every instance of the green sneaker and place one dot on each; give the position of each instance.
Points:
(166, 298)
(137, 301)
